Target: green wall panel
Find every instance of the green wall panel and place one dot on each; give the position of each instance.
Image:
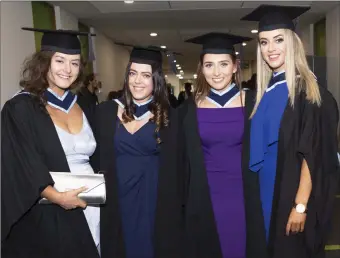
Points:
(43, 18)
(320, 38)
(85, 48)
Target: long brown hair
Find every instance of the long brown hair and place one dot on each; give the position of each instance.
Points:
(159, 106)
(202, 87)
(34, 74)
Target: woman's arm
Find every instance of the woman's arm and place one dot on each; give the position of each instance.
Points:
(67, 200)
(305, 186)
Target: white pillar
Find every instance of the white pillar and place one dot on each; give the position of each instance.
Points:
(94, 63)
(57, 17)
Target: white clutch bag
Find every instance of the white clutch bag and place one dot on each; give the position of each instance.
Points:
(65, 181)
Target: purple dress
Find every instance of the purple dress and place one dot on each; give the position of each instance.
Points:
(221, 132)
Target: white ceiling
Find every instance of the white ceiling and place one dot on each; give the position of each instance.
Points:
(176, 21)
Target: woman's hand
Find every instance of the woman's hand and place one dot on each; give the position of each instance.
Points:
(70, 200)
(296, 222)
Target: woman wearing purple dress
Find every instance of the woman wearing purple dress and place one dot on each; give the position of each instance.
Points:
(219, 193)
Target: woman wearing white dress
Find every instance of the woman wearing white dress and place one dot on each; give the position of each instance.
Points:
(44, 129)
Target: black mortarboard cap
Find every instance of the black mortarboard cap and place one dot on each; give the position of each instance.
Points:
(218, 43)
(144, 55)
(63, 41)
(273, 17)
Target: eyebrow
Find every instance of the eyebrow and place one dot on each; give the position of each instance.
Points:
(64, 58)
(280, 35)
(208, 62)
(132, 70)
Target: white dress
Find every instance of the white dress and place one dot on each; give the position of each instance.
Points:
(78, 148)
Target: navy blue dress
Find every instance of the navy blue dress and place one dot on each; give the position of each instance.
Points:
(137, 164)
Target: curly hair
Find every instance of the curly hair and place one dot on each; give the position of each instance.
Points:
(159, 106)
(34, 74)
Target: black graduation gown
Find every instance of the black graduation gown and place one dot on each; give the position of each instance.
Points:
(200, 229)
(310, 132)
(167, 238)
(30, 148)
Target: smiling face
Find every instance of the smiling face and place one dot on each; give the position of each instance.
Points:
(64, 70)
(273, 49)
(218, 70)
(140, 82)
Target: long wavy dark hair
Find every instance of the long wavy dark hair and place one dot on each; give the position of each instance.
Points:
(159, 106)
(202, 87)
(34, 74)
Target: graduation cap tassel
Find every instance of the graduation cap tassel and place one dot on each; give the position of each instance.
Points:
(91, 56)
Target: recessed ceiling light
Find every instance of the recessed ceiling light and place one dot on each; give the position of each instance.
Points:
(174, 61)
(168, 55)
(178, 75)
(177, 65)
(153, 34)
(128, 1)
(254, 31)
(165, 76)
(181, 71)
(236, 53)
(163, 46)
(244, 44)
(179, 68)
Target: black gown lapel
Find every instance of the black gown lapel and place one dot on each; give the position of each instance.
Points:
(56, 158)
(200, 221)
(111, 235)
(168, 233)
(256, 245)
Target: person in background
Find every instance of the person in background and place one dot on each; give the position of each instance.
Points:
(183, 95)
(251, 84)
(87, 94)
(172, 99)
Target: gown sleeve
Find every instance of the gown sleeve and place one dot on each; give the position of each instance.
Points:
(23, 173)
(318, 146)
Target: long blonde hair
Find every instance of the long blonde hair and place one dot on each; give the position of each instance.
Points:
(298, 75)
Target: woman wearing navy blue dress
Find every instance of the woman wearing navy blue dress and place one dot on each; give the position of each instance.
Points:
(136, 151)
(293, 139)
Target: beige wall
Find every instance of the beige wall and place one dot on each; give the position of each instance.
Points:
(333, 52)
(65, 20)
(307, 37)
(16, 44)
(111, 62)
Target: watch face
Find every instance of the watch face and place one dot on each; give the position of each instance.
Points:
(300, 208)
